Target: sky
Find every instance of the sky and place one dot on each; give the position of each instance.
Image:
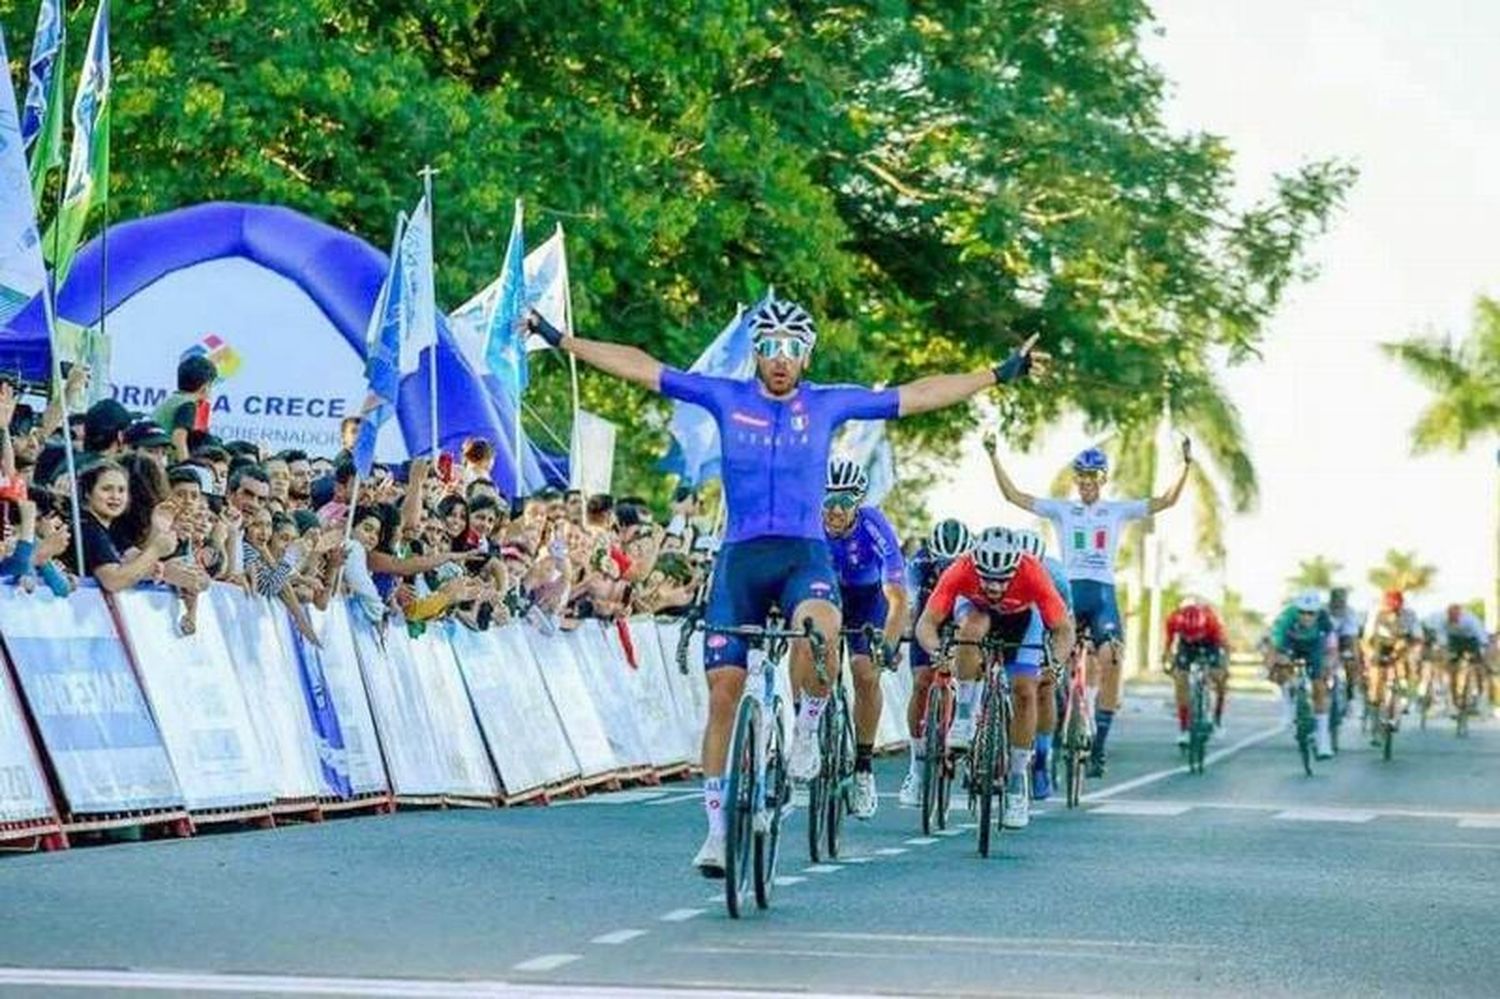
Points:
(1407, 92)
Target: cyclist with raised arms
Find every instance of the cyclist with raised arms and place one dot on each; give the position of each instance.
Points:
(1088, 533)
(1033, 544)
(872, 591)
(999, 588)
(949, 539)
(775, 431)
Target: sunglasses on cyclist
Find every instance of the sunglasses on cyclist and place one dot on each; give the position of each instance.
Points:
(996, 579)
(840, 501)
(782, 346)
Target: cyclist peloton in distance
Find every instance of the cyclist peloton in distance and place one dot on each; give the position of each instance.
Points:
(872, 591)
(775, 432)
(1088, 534)
(1193, 631)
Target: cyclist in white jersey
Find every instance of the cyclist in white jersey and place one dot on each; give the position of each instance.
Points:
(1088, 534)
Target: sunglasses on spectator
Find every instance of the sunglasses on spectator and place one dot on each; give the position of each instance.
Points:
(782, 346)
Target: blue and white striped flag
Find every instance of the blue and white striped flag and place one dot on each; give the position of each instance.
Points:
(388, 324)
(42, 117)
(22, 273)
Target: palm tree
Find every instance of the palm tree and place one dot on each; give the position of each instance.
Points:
(1402, 571)
(1316, 573)
(1244, 624)
(1464, 377)
(1202, 411)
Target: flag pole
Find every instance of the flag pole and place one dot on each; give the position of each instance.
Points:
(575, 459)
(432, 360)
(61, 388)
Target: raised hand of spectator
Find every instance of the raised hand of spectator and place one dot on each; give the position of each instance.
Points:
(184, 575)
(8, 400)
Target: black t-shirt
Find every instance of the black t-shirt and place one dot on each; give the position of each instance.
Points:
(98, 547)
(184, 417)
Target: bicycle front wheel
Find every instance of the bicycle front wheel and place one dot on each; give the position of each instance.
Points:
(777, 789)
(739, 806)
(989, 763)
(841, 771)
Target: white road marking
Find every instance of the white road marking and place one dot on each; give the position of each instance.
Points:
(1166, 809)
(856, 860)
(1161, 775)
(546, 962)
(1324, 815)
(615, 798)
(199, 982)
(891, 851)
(1472, 820)
(974, 825)
(1487, 822)
(681, 915)
(919, 841)
(615, 937)
(668, 798)
(822, 869)
(787, 880)
(948, 833)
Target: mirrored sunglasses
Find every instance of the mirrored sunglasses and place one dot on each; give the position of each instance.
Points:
(782, 346)
(840, 501)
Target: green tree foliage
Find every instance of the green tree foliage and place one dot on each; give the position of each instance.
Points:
(1464, 378)
(935, 181)
(1403, 571)
(1316, 573)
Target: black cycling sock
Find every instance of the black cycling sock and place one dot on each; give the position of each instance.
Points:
(864, 758)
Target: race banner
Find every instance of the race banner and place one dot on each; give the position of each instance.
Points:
(337, 693)
(95, 726)
(197, 702)
(23, 786)
(399, 706)
(525, 738)
(605, 682)
(468, 772)
(268, 675)
(563, 679)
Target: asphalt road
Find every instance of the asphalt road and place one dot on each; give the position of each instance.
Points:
(1369, 878)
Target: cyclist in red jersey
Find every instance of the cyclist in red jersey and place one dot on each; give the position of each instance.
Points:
(998, 587)
(1194, 630)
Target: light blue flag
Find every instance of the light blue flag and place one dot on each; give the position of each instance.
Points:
(865, 443)
(389, 324)
(22, 273)
(730, 355)
(42, 117)
(504, 351)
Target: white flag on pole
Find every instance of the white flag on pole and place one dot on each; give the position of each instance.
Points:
(22, 273)
(546, 290)
(421, 306)
(592, 462)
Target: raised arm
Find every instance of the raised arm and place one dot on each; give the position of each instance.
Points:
(1008, 489)
(629, 363)
(1169, 499)
(941, 391)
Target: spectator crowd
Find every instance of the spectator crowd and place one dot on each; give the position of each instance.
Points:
(163, 500)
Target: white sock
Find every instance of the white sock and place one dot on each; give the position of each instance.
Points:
(1020, 763)
(1322, 721)
(713, 804)
(1091, 698)
(809, 713)
(918, 754)
(965, 704)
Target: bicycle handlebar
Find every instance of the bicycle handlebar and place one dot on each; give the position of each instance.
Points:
(757, 635)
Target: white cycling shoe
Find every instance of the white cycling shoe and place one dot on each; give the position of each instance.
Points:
(866, 799)
(1182, 740)
(806, 757)
(710, 859)
(961, 733)
(1017, 808)
(911, 791)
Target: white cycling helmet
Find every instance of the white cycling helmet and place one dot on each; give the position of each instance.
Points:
(774, 317)
(845, 476)
(950, 539)
(1031, 543)
(1308, 601)
(994, 532)
(997, 557)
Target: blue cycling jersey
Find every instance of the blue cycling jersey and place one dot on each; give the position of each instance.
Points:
(869, 554)
(775, 451)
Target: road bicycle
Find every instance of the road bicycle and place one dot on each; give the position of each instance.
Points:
(1469, 689)
(1303, 725)
(757, 789)
(1074, 736)
(1200, 713)
(1384, 716)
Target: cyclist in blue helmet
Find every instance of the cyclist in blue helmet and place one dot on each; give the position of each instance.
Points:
(1088, 533)
(776, 431)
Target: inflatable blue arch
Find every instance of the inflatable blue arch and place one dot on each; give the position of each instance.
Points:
(341, 275)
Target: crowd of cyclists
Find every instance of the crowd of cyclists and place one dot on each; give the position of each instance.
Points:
(800, 539)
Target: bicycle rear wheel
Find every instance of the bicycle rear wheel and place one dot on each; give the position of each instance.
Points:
(842, 774)
(777, 789)
(935, 748)
(739, 805)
